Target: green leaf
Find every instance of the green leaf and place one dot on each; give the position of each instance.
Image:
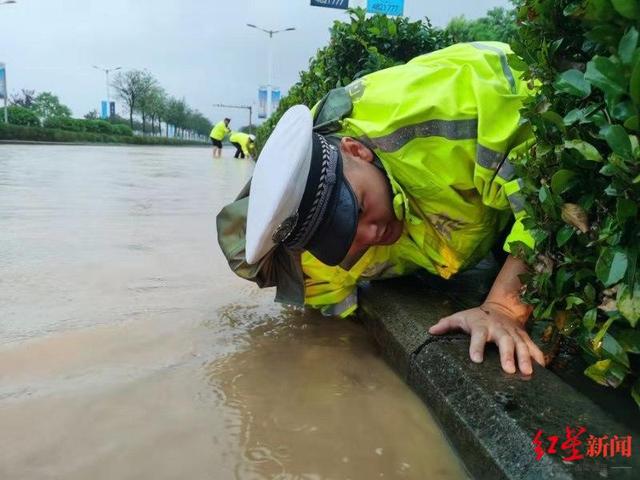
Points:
(627, 8)
(628, 303)
(571, 9)
(599, 10)
(587, 150)
(632, 252)
(623, 110)
(562, 180)
(573, 83)
(606, 75)
(625, 208)
(580, 115)
(544, 195)
(548, 312)
(634, 83)
(629, 339)
(589, 319)
(611, 265)
(612, 349)
(606, 372)
(635, 392)
(572, 301)
(590, 292)
(564, 234)
(556, 119)
(563, 275)
(618, 139)
(573, 116)
(597, 339)
(393, 28)
(632, 123)
(627, 45)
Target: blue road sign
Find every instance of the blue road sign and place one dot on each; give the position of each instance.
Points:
(342, 4)
(387, 7)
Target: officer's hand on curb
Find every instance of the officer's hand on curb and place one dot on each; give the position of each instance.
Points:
(490, 322)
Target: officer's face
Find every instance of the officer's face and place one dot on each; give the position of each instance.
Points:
(377, 224)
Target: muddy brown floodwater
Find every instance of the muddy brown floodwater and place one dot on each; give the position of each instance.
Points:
(128, 350)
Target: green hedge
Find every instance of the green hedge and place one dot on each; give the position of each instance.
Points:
(21, 116)
(582, 179)
(85, 125)
(40, 134)
(363, 45)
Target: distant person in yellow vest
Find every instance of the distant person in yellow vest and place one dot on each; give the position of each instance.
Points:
(217, 134)
(244, 144)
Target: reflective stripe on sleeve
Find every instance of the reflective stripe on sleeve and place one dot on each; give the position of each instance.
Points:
(516, 199)
(503, 62)
(449, 129)
(488, 158)
(337, 309)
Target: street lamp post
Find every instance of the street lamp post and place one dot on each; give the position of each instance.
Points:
(271, 33)
(106, 71)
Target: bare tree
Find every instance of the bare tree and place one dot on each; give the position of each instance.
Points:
(156, 106)
(129, 87)
(24, 99)
(149, 88)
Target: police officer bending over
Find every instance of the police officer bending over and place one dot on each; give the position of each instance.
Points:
(244, 143)
(405, 169)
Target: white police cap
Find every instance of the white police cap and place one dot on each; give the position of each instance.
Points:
(299, 196)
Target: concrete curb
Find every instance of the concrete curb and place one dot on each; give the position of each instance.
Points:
(490, 417)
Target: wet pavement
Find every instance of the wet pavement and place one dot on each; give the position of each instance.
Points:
(129, 350)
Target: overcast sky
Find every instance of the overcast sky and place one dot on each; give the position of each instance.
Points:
(198, 49)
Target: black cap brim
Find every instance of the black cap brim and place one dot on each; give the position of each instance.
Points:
(333, 238)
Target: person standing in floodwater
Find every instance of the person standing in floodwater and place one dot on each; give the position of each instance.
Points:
(217, 134)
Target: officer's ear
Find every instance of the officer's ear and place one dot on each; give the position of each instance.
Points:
(355, 149)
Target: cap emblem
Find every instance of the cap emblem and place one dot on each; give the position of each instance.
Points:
(283, 230)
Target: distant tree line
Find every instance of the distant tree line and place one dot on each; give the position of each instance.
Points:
(142, 94)
(499, 24)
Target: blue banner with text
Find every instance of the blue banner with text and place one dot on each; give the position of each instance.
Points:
(262, 102)
(3, 82)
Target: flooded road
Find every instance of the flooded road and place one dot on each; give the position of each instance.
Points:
(128, 350)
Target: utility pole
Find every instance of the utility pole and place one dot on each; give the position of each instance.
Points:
(244, 107)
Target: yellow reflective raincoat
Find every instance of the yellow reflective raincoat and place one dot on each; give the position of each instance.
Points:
(243, 140)
(219, 130)
(444, 126)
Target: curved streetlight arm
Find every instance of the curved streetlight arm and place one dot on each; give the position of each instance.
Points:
(270, 32)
